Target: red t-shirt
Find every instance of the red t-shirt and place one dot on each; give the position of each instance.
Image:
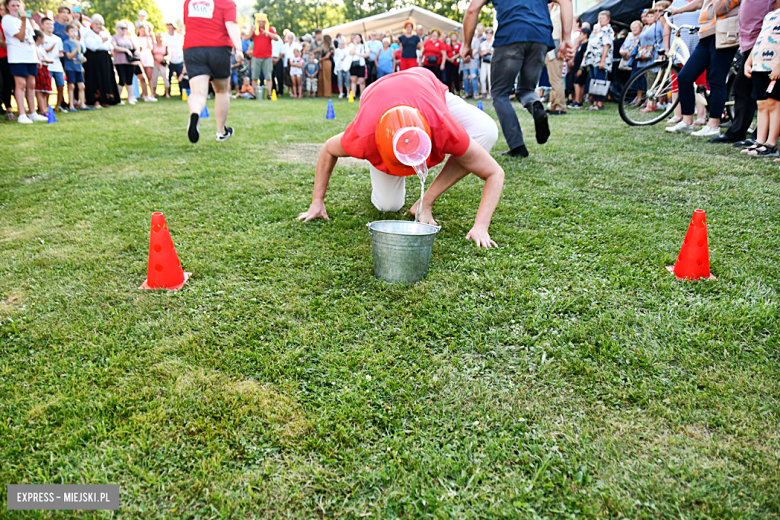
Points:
(433, 49)
(3, 50)
(205, 23)
(455, 51)
(417, 87)
(262, 44)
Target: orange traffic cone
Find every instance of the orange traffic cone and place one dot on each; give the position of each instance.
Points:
(693, 263)
(164, 271)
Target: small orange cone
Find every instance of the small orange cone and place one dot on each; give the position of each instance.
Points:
(693, 263)
(164, 271)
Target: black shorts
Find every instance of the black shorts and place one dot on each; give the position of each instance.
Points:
(582, 79)
(761, 82)
(358, 70)
(125, 72)
(209, 61)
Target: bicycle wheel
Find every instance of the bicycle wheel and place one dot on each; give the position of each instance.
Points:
(646, 88)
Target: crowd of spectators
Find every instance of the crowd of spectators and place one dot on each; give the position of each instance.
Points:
(38, 58)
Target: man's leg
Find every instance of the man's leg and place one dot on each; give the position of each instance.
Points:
(508, 61)
(388, 192)
(744, 104)
(256, 70)
(477, 123)
(558, 89)
(268, 72)
(530, 72)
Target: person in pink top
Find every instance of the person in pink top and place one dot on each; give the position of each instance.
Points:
(161, 57)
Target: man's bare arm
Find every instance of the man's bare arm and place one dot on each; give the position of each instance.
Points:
(470, 20)
(329, 155)
(566, 47)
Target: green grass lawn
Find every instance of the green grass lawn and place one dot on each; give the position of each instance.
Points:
(565, 374)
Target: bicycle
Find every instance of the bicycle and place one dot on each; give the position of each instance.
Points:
(664, 84)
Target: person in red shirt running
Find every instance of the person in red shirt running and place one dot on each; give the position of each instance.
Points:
(211, 33)
(456, 128)
(262, 60)
(435, 53)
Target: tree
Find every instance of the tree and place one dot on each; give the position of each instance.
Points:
(41, 6)
(301, 16)
(115, 10)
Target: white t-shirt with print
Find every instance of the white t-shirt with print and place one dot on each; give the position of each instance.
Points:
(19, 51)
(54, 54)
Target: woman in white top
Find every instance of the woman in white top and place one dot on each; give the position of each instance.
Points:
(22, 59)
(144, 44)
(486, 53)
(357, 54)
(99, 76)
(290, 45)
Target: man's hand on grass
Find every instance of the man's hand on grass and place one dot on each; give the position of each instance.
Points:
(316, 210)
(481, 237)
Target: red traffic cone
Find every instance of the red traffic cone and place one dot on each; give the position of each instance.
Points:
(164, 271)
(693, 263)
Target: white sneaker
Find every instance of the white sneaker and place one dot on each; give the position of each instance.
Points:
(38, 117)
(24, 120)
(132, 101)
(681, 128)
(707, 131)
(150, 99)
(341, 96)
(121, 103)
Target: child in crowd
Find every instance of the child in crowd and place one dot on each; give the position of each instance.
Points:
(296, 72)
(763, 65)
(311, 69)
(74, 59)
(580, 72)
(43, 80)
(246, 89)
(53, 46)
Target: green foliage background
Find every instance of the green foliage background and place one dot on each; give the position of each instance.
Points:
(112, 10)
(302, 16)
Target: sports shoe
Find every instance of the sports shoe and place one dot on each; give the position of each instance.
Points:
(227, 135)
(24, 120)
(132, 101)
(341, 96)
(681, 128)
(707, 131)
(193, 128)
(38, 117)
(150, 99)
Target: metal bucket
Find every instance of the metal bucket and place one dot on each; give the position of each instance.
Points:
(402, 249)
(259, 92)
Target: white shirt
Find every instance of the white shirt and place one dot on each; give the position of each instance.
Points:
(94, 41)
(289, 49)
(54, 54)
(175, 43)
(277, 47)
(19, 51)
(356, 59)
(338, 58)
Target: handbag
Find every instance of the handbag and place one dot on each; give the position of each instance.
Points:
(727, 32)
(645, 52)
(599, 87)
(431, 60)
(132, 58)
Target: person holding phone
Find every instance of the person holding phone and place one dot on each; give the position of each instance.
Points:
(22, 59)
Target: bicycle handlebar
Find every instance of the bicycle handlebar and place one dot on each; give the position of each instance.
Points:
(667, 17)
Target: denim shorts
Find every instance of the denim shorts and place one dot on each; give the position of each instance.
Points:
(59, 78)
(75, 76)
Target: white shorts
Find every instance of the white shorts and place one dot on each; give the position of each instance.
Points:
(388, 192)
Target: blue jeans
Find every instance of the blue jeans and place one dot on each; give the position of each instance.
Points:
(523, 61)
(380, 73)
(718, 62)
(473, 83)
(343, 78)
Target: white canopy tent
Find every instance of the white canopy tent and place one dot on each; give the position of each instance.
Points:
(394, 20)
